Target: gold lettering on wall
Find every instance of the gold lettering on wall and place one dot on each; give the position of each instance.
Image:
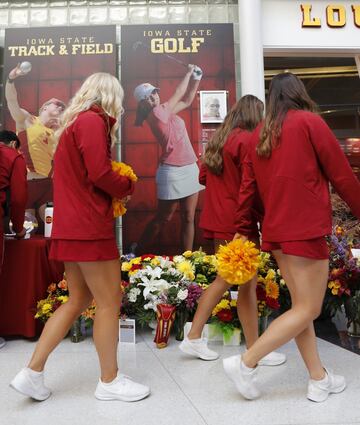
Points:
(175, 45)
(308, 21)
(336, 16)
(356, 12)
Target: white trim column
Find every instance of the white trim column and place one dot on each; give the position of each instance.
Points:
(251, 48)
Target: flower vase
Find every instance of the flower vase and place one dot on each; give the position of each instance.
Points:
(179, 323)
(233, 339)
(263, 324)
(354, 329)
(75, 331)
(165, 315)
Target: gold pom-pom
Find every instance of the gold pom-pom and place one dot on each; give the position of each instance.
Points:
(126, 171)
(238, 261)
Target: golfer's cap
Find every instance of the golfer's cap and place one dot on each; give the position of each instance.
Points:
(143, 91)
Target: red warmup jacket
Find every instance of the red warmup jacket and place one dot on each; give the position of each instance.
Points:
(221, 193)
(84, 183)
(294, 182)
(13, 178)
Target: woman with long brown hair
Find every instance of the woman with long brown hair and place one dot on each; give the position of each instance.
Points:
(293, 157)
(221, 174)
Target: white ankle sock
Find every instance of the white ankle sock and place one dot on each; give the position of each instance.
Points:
(34, 373)
(246, 368)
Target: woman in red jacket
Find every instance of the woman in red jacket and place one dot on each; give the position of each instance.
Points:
(221, 174)
(292, 158)
(83, 237)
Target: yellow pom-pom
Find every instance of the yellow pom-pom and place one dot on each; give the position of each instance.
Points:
(126, 171)
(238, 261)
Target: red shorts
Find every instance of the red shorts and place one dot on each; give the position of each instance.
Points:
(228, 237)
(76, 251)
(311, 248)
(208, 234)
(40, 191)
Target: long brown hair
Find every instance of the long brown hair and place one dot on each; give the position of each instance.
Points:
(142, 112)
(245, 114)
(286, 92)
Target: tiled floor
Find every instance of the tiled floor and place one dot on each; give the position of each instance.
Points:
(185, 391)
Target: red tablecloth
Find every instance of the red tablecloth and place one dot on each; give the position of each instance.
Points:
(25, 276)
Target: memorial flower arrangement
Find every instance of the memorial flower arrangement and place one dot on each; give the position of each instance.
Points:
(202, 268)
(123, 170)
(268, 286)
(224, 318)
(152, 280)
(344, 277)
(58, 294)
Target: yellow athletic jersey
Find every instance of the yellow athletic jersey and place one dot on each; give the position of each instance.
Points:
(40, 149)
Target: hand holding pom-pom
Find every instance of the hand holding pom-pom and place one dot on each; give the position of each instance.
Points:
(238, 261)
(123, 170)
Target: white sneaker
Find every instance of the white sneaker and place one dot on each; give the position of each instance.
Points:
(198, 348)
(272, 359)
(121, 388)
(319, 390)
(2, 342)
(243, 377)
(31, 383)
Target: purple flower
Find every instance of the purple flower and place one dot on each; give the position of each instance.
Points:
(194, 293)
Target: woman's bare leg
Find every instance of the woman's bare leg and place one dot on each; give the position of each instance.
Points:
(153, 229)
(248, 312)
(188, 208)
(306, 340)
(103, 279)
(310, 279)
(208, 300)
(60, 322)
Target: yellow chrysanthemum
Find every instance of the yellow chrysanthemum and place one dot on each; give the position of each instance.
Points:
(270, 274)
(155, 262)
(136, 260)
(63, 298)
(334, 285)
(46, 308)
(272, 289)
(264, 258)
(238, 261)
(223, 305)
(123, 170)
(125, 267)
(187, 269)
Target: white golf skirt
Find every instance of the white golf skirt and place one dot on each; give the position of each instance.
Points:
(177, 182)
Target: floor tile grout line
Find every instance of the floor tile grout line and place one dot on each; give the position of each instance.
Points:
(172, 377)
(154, 350)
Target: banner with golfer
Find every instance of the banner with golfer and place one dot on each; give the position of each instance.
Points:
(164, 69)
(43, 69)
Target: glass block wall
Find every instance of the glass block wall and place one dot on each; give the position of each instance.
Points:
(20, 14)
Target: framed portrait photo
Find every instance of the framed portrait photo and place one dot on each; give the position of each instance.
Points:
(213, 106)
